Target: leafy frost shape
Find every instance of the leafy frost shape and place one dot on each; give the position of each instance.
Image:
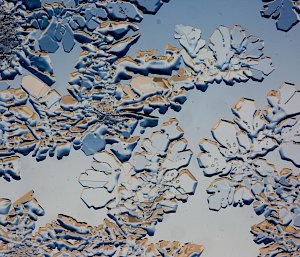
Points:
(238, 155)
(231, 56)
(190, 39)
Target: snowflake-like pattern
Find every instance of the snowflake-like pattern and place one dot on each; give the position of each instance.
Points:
(238, 155)
(138, 193)
(232, 55)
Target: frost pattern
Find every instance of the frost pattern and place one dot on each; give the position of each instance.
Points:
(99, 111)
(67, 237)
(285, 12)
(238, 155)
(232, 55)
(44, 28)
(38, 120)
(56, 123)
(138, 193)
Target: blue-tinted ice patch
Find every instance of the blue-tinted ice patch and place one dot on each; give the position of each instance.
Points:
(285, 12)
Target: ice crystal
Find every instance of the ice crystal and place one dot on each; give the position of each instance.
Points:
(139, 192)
(232, 55)
(238, 155)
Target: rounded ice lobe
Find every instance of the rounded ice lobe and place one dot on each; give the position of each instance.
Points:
(5, 205)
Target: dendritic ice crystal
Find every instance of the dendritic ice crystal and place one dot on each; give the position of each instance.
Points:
(232, 55)
(65, 236)
(138, 193)
(239, 156)
(285, 12)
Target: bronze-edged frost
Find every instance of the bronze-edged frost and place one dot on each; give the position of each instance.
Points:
(66, 236)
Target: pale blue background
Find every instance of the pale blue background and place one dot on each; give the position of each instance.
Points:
(225, 233)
